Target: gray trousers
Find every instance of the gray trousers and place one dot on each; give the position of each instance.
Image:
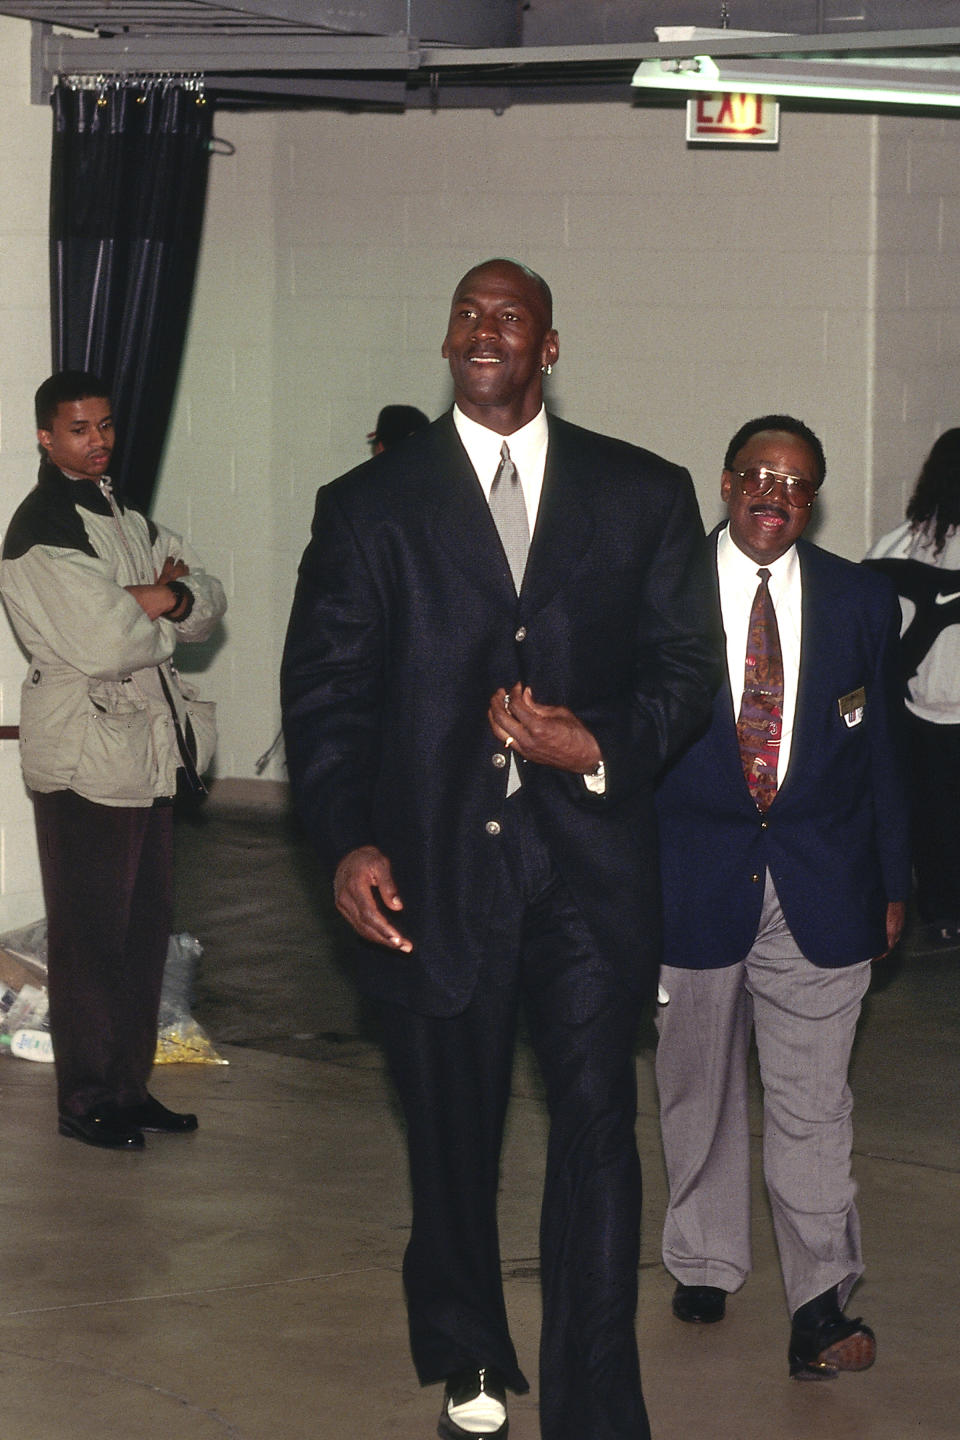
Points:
(804, 1018)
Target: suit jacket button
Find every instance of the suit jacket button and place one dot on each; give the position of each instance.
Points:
(520, 634)
(492, 827)
(755, 878)
(498, 759)
(764, 824)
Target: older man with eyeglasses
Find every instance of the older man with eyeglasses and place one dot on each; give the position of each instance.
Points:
(786, 869)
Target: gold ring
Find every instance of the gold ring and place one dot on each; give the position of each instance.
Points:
(508, 742)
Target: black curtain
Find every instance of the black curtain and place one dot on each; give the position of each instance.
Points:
(128, 186)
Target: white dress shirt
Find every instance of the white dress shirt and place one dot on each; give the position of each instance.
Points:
(528, 451)
(738, 586)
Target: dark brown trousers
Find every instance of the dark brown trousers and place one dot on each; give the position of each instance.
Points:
(108, 886)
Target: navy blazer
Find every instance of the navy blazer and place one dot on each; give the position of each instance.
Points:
(835, 838)
(405, 622)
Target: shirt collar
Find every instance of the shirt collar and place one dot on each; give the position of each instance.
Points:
(738, 568)
(527, 445)
(90, 494)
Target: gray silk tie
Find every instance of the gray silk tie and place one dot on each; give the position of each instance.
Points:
(509, 510)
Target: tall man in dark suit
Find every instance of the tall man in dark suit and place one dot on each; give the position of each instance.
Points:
(477, 766)
(785, 871)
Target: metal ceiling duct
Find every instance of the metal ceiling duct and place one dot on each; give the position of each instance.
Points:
(442, 22)
(605, 22)
(450, 22)
(440, 53)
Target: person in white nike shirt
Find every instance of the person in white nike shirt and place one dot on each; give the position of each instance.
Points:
(922, 558)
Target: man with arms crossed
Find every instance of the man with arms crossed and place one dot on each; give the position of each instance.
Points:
(99, 596)
(785, 871)
(473, 738)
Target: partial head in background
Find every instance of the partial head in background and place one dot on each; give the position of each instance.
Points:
(935, 502)
(395, 423)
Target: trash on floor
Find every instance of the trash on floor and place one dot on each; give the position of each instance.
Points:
(179, 1037)
(24, 1025)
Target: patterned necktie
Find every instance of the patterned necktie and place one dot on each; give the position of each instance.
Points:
(509, 510)
(761, 709)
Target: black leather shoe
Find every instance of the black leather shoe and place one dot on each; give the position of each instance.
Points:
(151, 1115)
(474, 1403)
(699, 1304)
(821, 1345)
(102, 1126)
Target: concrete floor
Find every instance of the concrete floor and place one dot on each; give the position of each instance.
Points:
(245, 1281)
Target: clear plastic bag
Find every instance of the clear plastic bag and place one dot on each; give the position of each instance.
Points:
(23, 999)
(179, 1038)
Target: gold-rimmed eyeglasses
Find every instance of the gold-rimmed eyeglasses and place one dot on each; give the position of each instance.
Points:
(760, 480)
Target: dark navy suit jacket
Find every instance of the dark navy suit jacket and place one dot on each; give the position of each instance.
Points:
(835, 838)
(405, 622)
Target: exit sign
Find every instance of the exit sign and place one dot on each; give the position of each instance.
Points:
(733, 119)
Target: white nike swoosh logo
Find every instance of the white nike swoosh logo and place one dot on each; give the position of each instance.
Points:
(943, 599)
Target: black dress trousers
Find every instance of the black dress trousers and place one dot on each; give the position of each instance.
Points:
(453, 1078)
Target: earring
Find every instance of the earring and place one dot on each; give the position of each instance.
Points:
(546, 369)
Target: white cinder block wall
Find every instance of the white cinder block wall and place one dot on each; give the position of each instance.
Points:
(916, 353)
(693, 290)
(24, 361)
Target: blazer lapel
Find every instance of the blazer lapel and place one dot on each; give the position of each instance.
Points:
(726, 707)
(461, 520)
(565, 524)
(817, 620)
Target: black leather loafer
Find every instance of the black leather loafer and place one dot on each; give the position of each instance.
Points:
(835, 1344)
(474, 1403)
(699, 1304)
(151, 1115)
(102, 1126)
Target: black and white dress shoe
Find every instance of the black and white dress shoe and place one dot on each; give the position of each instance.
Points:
(474, 1403)
(104, 1126)
(151, 1115)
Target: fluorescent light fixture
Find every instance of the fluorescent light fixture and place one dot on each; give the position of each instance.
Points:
(880, 80)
